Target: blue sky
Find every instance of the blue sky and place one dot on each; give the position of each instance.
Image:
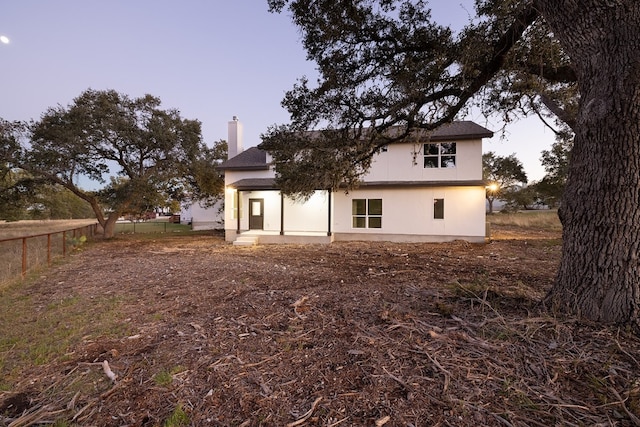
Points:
(210, 59)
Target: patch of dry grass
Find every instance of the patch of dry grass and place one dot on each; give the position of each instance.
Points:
(12, 229)
(545, 220)
(39, 250)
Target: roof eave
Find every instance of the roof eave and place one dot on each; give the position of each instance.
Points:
(244, 168)
(461, 137)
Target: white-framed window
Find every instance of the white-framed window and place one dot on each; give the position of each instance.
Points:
(440, 155)
(438, 208)
(366, 213)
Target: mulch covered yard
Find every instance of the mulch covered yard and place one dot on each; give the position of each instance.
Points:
(199, 332)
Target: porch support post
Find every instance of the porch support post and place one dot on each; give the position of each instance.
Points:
(329, 214)
(238, 211)
(281, 214)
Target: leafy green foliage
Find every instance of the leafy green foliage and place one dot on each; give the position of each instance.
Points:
(16, 190)
(502, 174)
(205, 183)
(308, 161)
(518, 198)
(387, 65)
(556, 163)
(55, 202)
(16, 186)
(25, 197)
(144, 155)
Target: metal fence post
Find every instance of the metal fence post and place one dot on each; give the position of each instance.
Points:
(49, 249)
(24, 256)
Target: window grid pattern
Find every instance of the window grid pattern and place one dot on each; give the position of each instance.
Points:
(440, 155)
(366, 213)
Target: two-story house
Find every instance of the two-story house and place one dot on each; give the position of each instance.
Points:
(427, 190)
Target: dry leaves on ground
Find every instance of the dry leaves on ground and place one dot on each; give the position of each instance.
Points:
(350, 334)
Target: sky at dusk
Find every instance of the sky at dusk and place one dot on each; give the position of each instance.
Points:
(210, 59)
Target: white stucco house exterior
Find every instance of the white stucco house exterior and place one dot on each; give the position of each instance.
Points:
(418, 191)
(203, 217)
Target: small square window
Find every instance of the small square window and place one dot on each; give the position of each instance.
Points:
(448, 148)
(375, 222)
(448, 161)
(430, 162)
(359, 222)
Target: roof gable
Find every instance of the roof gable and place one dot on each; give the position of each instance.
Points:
(460, 130)
(251, 159)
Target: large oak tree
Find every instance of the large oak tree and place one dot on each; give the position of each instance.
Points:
(142, 155)
(386, 63)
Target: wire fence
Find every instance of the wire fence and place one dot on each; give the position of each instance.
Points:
(150, 227)
(19, 255)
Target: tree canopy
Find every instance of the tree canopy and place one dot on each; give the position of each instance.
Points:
(152, 155)
(502, 174)
(387, 63)
(556, 164)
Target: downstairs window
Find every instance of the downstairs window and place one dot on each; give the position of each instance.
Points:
(438, 208)
(366, 213)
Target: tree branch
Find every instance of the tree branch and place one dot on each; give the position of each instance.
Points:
(564, 74)
(500, 51)
(560, 112)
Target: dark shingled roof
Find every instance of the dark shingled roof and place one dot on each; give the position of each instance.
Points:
(250, 159)
(256, 159)
(460, 130)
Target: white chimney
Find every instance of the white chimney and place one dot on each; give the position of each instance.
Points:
(234, 141)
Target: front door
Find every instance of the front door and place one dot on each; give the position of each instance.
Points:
(256, 214)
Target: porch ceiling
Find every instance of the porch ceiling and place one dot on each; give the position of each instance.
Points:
(251, 184)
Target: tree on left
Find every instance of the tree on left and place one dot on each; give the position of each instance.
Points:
(143, 156)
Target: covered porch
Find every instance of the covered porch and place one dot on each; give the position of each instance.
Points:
(262, 214)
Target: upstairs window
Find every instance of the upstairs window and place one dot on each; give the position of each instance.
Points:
(440, 155)
(366, 213)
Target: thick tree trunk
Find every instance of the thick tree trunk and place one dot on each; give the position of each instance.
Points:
(110, 226)
(97, 210)
(599, 274)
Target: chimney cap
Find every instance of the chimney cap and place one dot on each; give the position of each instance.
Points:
(235, 118)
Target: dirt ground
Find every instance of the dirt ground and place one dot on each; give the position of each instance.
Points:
(349, 334)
